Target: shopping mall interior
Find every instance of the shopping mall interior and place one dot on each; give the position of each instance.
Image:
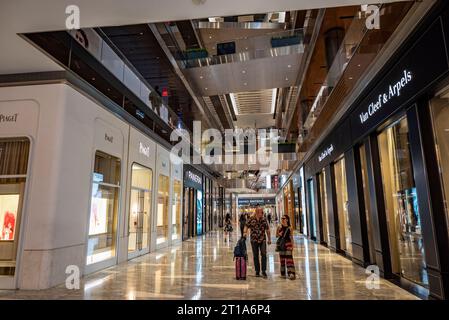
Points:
(142, 142)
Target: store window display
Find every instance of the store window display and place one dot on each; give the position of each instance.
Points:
(440, 117)
(401, 204)
(162, 208)
(104, 208)
(324, 208)
(342, 205)
(14, 155)
(140, 209)
(176, 210)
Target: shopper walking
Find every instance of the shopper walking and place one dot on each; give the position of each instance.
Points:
(260, 237)
(227, 229)
(284, 246)
(242, 221)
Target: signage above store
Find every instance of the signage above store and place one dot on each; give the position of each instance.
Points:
(255, 201)
(144, 150)
(326, 153)
(8, 118)
(394, 90)
(108, 138)
(195, 178)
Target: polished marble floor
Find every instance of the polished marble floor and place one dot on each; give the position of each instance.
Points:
(203, 268)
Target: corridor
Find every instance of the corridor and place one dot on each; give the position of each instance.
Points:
(203, 268)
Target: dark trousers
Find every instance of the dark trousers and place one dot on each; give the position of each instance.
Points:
(242, 227)
(263, 252)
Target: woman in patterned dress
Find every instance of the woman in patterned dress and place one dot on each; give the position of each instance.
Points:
(286, 257)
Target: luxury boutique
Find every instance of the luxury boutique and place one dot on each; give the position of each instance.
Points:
(375, 189)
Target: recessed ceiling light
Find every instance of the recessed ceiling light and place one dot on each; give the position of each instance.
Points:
(286, 79)
(245, 84)
(246, 48)
(205, 88)
(359, 65)
(201, 77)
(243, 71)
(289, 66)
(93, 78)
(141, 33)
(210, 37)
(351, 78)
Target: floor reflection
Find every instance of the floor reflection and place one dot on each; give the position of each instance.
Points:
(203, 268)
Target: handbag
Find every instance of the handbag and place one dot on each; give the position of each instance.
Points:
(280, 242)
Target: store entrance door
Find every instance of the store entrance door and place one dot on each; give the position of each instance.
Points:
(11, 198)
(140, 211)
(139, 224)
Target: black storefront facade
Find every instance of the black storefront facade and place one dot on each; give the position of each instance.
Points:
(375, 187)
(193, 206)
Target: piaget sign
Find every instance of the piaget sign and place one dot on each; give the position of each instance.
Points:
(144, 150)
(394, 90)
(8, 117)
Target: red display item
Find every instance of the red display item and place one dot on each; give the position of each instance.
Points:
(9, 222)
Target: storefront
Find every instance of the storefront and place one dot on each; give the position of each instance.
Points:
(141, 168)
(100, 194)
(14, 168)
(193, 202)
(376, 185)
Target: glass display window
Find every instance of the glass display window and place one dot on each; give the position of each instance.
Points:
(199, 212)
(401, 203)
(311, 205)
(102, 240)
(176, 210)
(140, 209)
(14, 157)
(341, 191)
(303, 201)
(162, 208)
(324, 208)
(440, 118)
(367, 200)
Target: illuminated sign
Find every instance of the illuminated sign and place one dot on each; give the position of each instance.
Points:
(194, 177)
(326, 153)
(394, 90)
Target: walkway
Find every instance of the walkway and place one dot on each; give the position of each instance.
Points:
(203, 268)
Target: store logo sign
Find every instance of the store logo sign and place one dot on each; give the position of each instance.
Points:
(326, 153)
(8, 118)
(394, 90)
(143, 149)
(193, 177)
(108, 138)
